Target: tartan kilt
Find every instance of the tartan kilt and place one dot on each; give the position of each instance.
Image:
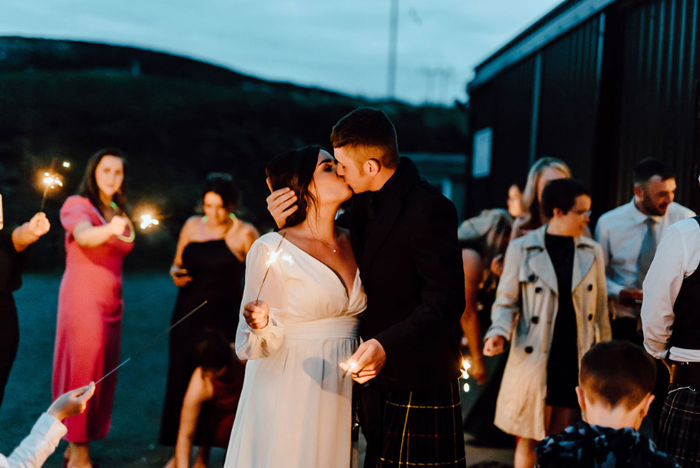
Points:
(679, 431)
(423, 428)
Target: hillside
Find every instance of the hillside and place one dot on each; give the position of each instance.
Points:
(176, 118)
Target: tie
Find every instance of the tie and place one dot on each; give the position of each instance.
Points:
(646, 253)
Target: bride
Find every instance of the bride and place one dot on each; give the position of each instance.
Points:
(295, 408)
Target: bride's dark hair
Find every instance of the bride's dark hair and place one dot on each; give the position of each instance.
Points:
(295, 169)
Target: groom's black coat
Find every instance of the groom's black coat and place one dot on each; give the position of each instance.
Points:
(411, 267)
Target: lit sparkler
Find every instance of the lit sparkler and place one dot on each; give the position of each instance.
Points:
(148, 221)
(273, 258)
(51, 180)
(466, 365)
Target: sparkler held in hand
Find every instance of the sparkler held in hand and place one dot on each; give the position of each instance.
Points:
(273, 258)
(51, 180)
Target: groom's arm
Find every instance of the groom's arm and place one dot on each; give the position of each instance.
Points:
(437, 256)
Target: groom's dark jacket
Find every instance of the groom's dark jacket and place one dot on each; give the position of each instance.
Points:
(405, 241)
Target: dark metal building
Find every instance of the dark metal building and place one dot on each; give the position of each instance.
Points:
(600, 84)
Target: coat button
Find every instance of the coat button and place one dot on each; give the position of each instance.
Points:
(538, 290)
(427, 310)
(590, 287)
(535, 320)
(532, 278)
(528, 349)
(590, 317)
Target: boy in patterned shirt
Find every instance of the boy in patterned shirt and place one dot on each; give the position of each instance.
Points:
(616, 382)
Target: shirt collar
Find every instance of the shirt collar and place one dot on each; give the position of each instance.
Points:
(641, 217)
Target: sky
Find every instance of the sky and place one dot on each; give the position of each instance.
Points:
(341, 46)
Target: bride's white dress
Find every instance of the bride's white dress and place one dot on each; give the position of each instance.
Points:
(295, 408)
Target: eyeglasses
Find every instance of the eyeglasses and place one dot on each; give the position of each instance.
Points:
(583, 213)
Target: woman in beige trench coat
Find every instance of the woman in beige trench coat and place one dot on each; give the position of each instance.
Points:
(525, 313)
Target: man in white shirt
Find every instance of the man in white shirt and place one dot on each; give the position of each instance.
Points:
(48, 430)
(671, 325)
(629, 236)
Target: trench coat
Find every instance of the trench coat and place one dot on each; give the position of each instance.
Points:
(526, 306)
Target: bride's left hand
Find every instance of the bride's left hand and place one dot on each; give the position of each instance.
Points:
(256, 314)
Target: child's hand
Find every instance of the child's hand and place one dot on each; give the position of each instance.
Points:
(71, 403)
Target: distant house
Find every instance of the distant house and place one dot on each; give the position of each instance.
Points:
(600, 84)
(447, 172)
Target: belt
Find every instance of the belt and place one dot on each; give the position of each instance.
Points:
(685, 374)
(330, 327)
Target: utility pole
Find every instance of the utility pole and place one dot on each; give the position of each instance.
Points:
(393, 38)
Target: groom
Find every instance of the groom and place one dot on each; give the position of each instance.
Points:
(404, 237)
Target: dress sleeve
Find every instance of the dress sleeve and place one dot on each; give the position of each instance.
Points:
(256, 344)
(39, 444)
(75, 211)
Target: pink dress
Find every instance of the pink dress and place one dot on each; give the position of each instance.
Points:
(88, 328)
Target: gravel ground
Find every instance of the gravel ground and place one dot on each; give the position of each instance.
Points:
(149, 299)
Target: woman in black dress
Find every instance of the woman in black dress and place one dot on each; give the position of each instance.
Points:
(209, 265)
(551, 307)
(13, 250)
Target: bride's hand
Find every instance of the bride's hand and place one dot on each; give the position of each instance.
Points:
(256, 314)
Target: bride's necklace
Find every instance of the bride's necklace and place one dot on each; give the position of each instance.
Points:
(329, 246)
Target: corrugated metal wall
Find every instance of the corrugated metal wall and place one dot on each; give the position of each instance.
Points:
(569, 98)
(568, 106)
(505, 105)
(658, 97)
(620, 87)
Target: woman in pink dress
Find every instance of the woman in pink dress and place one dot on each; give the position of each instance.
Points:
(88, 330)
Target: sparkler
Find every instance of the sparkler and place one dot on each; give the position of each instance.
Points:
(152, 341)
(273, 258)
(51, 180)
(466, 365)
(148, 221)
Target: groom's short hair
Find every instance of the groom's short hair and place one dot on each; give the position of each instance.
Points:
(369, 128)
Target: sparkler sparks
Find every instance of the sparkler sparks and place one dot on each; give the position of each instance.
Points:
(52, 180)
(465, 368)
(269, 262)
(148, 221)
(273, 257)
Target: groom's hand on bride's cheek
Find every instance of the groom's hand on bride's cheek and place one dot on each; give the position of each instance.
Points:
(369, 359)
(281, 204)
(256, 314)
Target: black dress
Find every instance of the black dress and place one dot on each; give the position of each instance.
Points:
(562, 366)
(217, 277)
(11, 263)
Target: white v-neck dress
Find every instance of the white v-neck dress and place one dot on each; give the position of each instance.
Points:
(295, 408)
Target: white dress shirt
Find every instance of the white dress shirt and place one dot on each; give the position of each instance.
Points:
(677, 257)
(37, 446)
(620, 233)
